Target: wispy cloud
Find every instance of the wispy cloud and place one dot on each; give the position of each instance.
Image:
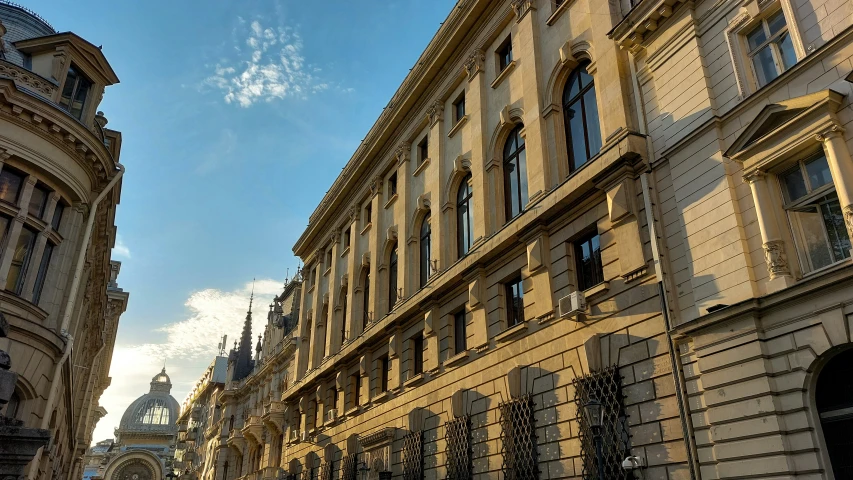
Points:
(270, 65)
(121, 249)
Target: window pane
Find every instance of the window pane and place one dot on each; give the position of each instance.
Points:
(593, 130)
(576, 132)
(588, 260)
(776, 22)
(37, 201)
(10, 185)
(572, 87)
(68, 89)
(765, 69)
(794, 184)
(459, 332)
(833, 220)
(814, 238)
(42, 273)
(522, 174)
(818, 172)
(786, 49)
(80, 95)
(756, 37)
(512, 184)
(20, 261)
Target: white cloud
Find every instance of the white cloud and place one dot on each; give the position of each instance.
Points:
(273, 68)
(120, 249)
(187, 347)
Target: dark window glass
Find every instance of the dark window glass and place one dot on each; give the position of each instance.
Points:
(10, 185)
(834, 401)
(368, 213)
(515, 174)
(57, 216)
(42, 273)
(365, 301)
(355, 382)
(459, 108)
(21, 261)
(580, 109)
(384, 366)
(794, 183)
(74, 93)
(423, 150)
(38, 200)
(392, 279)
(588, 259)
(505, 54)
(418, 354)
(460, 336)
(464, 216)
(514, 302)
(392, 185)
(333, 398)
(343, 316)
(347, 237)
(426, 234)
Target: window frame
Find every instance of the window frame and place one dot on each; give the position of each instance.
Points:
(392, 184)
(384, 365)
(514, 315)
(577, 250)
(464, 220)
(580, 99)
(504, 54)
(460, 331)
(393, 280)
(23, 178)
(417, 351)
(75, 92)
(772, 40)
(424, 248)
(459, 108)
(423, 150)
(519, 156)
(365, 299)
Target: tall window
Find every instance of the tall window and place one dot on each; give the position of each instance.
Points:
(38, 200)
(580, 109)
(10, 185)
(588, 261)
(57, 216)
(514, 302)
(392, 185)
(423, 150)
(418, 354)
(459, 107)
(384, 365)
(344, 307)
(325, 320)
(770, 49)
(42, 273)
(347, 237)
(355, 389)
(515, 173)
(426, 234)
(365, 299)
(333, 398)
(368, 213)
(20, 261)
(504, 53)
(392, 279)
(817, 222)
(464, 216)
(460, 335)
(74, 93)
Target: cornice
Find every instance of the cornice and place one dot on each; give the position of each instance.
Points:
(641, 21)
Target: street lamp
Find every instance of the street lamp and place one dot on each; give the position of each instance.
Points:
(363, 469)
(594, 413)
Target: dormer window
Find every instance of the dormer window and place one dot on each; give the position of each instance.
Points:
(74, 93)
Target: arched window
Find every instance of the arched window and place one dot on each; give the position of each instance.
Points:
(515, 173)
(834, 398)
(580, 109)
(464, 217)
(426, 234)
(392, 279)
(344, 307)
(365, 299)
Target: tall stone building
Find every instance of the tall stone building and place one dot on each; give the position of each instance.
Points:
(639, 208)
(60, 182)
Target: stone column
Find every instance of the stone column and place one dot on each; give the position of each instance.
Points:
(475, 105)
(771, 241)
(401, 219)
(374, 246)
(433, 183)
(303, 344)
(479, 334)
(333, 320)
(841, 167)
(352, 324)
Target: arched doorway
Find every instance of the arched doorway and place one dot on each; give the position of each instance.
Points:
(834, 400)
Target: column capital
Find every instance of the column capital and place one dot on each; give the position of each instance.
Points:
(833, 131)
(848, 218)
(375, 182)
(521, 7)
(754, 176)
(435, 113)
(474, 63)
(404, 150)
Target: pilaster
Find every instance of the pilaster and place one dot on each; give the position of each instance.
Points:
(353, 322)
(434, 184)
(374, 248)
(431, 328)
(334, 318)
(475, 105)
(841, 168)
(539, 273)
(771, 241)
(405, 255)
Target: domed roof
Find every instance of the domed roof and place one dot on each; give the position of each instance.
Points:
(154, 412)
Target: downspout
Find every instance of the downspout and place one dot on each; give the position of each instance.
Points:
(82, 419)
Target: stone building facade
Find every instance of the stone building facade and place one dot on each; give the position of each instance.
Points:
(642, 204)
(60, 182)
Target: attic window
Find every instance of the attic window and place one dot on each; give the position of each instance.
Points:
(74, 93)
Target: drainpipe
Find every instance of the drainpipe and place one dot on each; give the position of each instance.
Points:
(81, 420)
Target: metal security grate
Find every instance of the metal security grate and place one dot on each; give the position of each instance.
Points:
(309, 473)
(326, 471)
(518, 439)
(413, 456)
(606, 387)
(349, 467)
(458, 436)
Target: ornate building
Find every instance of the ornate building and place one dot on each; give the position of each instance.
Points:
(60, 182)
(145, 439)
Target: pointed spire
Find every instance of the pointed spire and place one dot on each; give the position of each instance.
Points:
(244, 353)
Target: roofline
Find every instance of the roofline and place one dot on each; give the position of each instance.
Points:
(71, 36)
(28, 12)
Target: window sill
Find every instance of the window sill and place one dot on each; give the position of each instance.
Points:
(416, 380)
(366, 228)
(457, 359)
(381, 398)
(504, 73)
(458, 126)
(328, 271)
(390, 201)
(421, 167)
(345, 252)
(310, 289)
(353, 410)
(596, 290)
(558, 13)
(512, 333)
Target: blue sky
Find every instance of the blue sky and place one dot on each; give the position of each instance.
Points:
(236, 116)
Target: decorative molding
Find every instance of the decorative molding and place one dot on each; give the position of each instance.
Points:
(521, 7)
(834, 130)
(25, 78)
(777, 261)
(403, 152)
(435, 113)
(848, 219)
(474, 64)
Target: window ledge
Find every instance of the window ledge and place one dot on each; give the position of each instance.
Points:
(596, 290)
(390, 202)
(558, 13)
(353, 410)
(416, 380)
(381, 398)
(366, 228)
(512, 333)
(457, 359)
(504, 73)
(421, 167)
(458, 126)
(328, 271)
(310, 289)
(345, 251)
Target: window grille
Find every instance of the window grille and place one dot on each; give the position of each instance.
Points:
(310, 473)
(518, 439)
(349, 467)
(604, 386)
(413, 456)
(326, 471)
(459, 461)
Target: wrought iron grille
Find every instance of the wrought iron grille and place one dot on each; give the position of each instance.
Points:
(458, 435)
(349, 467)
(310, 473)
(413, 456)
(326, 471)
(518, 439)
(606, 387)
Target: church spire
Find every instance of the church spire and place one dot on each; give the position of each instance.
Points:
(244, 353)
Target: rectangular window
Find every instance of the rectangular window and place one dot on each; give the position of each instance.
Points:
(74, 93)
(355, 389)
(368, 213)
(384, 366)
(514, 302)
(504, 54)
(459, 107)
(347, 239)
(42, 273)
(392, 185)
(57, 216)
(460, 335)
(333, 398)
(770, 49)
(423, 150)
(588, 261)
(418, 354)
(815, 215)
(38, 200)
(20, 261)
(10, 185)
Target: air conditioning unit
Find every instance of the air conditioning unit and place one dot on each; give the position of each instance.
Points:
(304, 436)
(331, 415)
(573, 305)
(294, 435)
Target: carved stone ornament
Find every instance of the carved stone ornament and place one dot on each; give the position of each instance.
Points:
(521, 7)
(353, 213)
(848, 219)
(435, 113)
(833, 131)
(403, 152)
(777, 262)
(374, 186)
(474, 64)
(59, 60)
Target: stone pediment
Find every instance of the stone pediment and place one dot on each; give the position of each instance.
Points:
(95, 63)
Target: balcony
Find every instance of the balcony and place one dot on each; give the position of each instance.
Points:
(213, 430)
(27, 80)
(192, 434)
(236, 440)
(274, 415)
(195, 413)
(181, 445)
(254, 430)
(182, 428)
